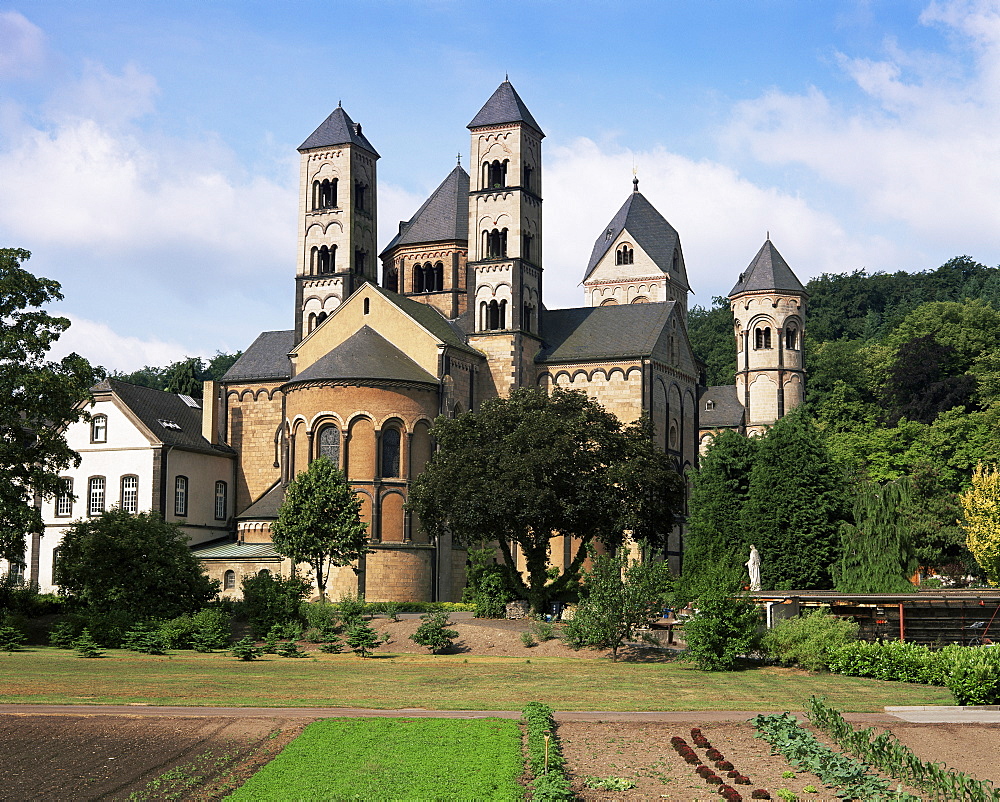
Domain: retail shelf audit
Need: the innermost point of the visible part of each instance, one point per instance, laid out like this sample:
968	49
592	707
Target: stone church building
457	317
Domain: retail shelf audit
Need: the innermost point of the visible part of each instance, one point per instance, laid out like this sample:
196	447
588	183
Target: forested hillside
903	387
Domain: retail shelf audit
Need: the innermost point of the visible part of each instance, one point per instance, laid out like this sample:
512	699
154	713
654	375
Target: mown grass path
449	682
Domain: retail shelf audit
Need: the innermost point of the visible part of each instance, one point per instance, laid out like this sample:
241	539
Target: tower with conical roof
505	236
337	223
769	305
636	259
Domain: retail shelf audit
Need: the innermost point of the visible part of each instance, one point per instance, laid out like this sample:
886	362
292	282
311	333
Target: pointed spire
338	129
460	158
635	180
768	272
504	106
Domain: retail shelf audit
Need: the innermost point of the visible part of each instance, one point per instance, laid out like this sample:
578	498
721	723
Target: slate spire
768	271
504	106
338	129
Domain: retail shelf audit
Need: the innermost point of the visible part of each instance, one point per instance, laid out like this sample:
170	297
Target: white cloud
23	48
99	344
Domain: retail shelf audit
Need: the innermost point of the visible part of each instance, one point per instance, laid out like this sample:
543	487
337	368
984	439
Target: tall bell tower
337	224
505	236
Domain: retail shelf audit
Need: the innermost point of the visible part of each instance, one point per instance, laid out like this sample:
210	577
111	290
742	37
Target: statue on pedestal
753	567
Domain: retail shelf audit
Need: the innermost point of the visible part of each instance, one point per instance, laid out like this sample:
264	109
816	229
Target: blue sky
147	150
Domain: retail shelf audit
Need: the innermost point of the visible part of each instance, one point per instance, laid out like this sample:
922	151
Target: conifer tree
981	520
877	549
795	504
719	491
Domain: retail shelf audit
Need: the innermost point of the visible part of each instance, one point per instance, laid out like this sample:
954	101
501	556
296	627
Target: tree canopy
39	398
525	469
981	520
319	522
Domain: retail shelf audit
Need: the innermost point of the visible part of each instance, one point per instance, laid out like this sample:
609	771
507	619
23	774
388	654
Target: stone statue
753	566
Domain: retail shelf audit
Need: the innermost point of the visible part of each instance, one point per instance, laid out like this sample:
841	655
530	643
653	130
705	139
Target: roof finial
635	180
769	235
460	158
506	77
338	104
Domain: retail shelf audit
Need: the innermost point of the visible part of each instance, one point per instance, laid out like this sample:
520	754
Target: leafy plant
433	632
351	608
545	757
543	631
609	783
723	629
809	641
270	600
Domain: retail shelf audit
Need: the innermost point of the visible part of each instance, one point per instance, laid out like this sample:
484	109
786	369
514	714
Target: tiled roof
266	359
443	216
720	408
768	271
171	419
601	332
432	320
266	507
238	551
366	354
504	106
650	231
338	129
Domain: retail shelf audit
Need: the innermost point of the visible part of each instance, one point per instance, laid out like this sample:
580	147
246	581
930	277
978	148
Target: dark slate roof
768	271
366	354
338	129
266	507
443	216
601	332
648	228
265	360
170	418
432	320
727	411
238	551
504	106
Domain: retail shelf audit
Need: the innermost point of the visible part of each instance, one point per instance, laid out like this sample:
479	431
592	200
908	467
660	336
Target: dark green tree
186	377
319	522
124	569
719	491
932	516
39	398
525	469
725	627
876	549
711	334
795	502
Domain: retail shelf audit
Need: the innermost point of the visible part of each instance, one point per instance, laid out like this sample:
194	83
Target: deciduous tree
37	399
319	522
981	519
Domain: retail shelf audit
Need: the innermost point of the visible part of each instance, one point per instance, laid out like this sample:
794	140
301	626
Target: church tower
769	305
337	225
505	236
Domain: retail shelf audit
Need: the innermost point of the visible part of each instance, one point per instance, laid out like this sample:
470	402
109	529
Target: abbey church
451	312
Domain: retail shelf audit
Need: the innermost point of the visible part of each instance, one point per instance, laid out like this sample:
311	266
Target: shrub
527	639
487	589
11	639
811	640
270	600
333	647
433	632
65	632
86	646
724	629
145	638
352	609
543	631
362	638
290	649
246	650
391	611
207	629
974	675
322	620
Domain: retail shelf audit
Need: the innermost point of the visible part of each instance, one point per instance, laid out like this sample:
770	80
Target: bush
487	589
352	609
527	639
543	631
65	632
86	646
333	647
270	600
974	675
723	629
809	641
362	638
11	639
146	639
433	632
322	621
246	650
290	649
204	631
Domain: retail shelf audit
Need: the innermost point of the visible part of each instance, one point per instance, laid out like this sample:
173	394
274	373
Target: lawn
341	758
446	682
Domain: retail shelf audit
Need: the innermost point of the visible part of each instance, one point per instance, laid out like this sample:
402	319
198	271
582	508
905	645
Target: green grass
443	682
382	758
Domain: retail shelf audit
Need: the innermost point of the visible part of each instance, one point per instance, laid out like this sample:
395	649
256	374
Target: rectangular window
130	494
181	495
99	429
220	501
64	501
95	494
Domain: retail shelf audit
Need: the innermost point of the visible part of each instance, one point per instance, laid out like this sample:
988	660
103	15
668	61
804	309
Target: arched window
321	317
526	246
312	321
526	317
360	261
527	182
496	176
99	429
791	339
430	284
392	280
390	452
762	338
326	258
609	302
229	580
181	495
640	299
95	495
493	316
496	244
329	444
221	501
439	276
130	494
263	572
503	315
624	255
418	278
368	305
360	196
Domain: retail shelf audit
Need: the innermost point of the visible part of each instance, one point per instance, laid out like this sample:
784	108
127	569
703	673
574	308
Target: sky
148	150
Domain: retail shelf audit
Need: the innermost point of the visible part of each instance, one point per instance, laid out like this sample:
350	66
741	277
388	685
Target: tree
319	522
433	632
981	520
876	550
126	568
621	596
724	627
795	503
525	469
39	399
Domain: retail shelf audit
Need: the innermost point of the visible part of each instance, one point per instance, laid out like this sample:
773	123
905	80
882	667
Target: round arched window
329	444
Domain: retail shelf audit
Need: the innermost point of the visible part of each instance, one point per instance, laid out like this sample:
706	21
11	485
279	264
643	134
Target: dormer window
709	406
624	255
99	429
